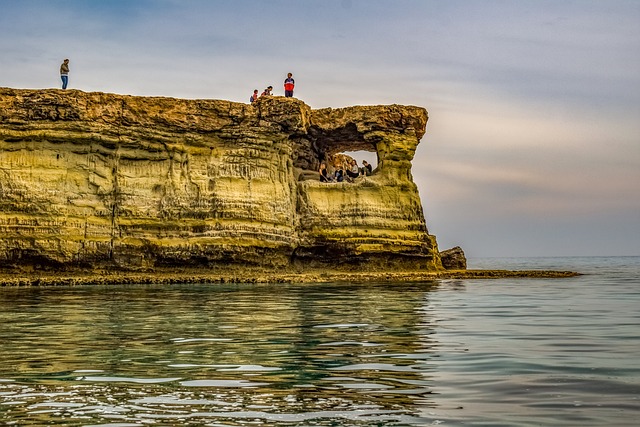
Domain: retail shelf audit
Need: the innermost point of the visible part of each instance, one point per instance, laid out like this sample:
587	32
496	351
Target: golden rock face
92	179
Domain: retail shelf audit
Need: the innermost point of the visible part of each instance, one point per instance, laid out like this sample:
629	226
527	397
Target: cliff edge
95	179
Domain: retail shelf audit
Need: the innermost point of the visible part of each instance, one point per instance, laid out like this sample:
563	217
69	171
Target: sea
486	352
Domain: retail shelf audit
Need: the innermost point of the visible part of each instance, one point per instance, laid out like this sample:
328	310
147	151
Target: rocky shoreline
113	278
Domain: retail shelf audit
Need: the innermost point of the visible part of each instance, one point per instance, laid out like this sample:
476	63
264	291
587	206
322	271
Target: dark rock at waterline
454	259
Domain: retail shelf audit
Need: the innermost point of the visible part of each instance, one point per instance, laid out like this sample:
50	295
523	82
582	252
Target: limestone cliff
103	179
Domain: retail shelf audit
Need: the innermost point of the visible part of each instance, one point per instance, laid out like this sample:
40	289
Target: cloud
506	151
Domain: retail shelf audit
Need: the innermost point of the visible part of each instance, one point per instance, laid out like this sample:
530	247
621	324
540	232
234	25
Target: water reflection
346	354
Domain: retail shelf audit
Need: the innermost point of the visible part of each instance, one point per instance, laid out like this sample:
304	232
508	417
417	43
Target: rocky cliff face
100	179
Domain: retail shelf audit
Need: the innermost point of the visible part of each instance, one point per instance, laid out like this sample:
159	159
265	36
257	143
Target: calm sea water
525	352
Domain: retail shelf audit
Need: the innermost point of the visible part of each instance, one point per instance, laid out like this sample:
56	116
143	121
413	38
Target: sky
533	141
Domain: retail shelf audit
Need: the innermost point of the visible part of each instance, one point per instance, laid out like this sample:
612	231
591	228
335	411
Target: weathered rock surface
92	179
453	259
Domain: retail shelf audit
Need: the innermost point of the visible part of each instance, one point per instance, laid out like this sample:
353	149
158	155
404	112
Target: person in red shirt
254	97
289	83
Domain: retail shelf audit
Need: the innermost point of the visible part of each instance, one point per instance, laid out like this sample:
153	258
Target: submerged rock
90	179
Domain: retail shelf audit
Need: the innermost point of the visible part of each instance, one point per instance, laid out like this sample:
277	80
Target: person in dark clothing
324	174
353	171
367	169
338	175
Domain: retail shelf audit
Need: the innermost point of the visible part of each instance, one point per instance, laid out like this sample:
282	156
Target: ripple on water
349	343
222	383
377	367
128	380
226	368
170	399
113	425
343	325
189	340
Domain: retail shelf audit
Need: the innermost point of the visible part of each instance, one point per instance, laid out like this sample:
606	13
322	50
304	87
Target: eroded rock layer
100	179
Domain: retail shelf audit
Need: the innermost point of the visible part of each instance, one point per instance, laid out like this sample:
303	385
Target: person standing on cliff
254	97
289	84
64	73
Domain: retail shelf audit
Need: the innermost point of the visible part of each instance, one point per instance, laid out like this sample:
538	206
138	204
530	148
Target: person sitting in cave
367	169
353	171
338	174
324	174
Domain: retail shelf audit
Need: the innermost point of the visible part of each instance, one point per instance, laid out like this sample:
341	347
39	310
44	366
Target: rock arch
142	182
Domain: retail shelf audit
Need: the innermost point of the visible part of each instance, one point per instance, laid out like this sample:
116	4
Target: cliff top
73	104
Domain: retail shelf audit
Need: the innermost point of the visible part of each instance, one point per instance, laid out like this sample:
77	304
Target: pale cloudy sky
533	142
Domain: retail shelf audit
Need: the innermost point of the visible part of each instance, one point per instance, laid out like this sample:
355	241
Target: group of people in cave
348	171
